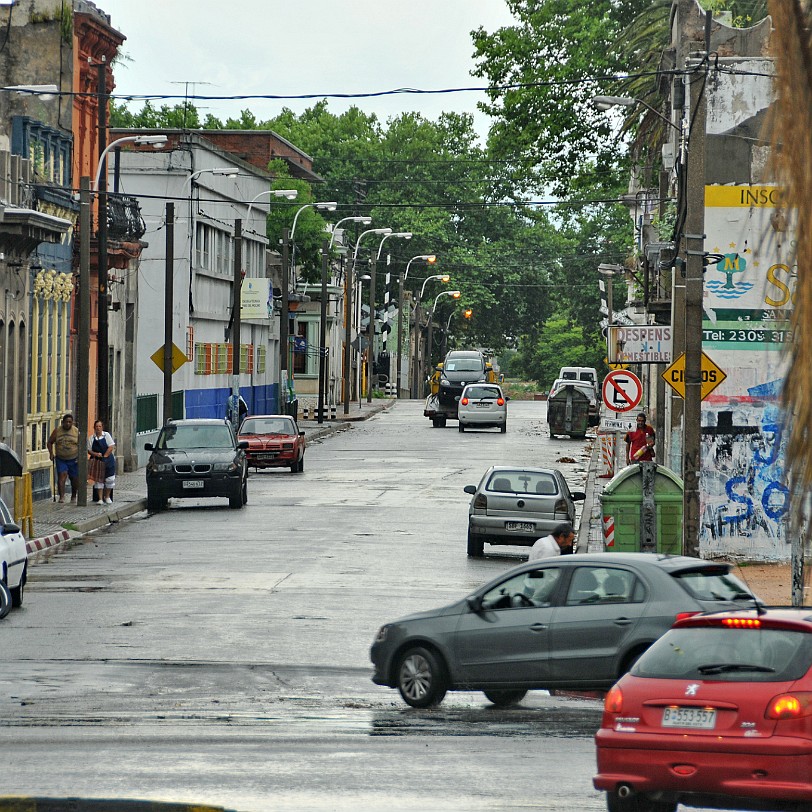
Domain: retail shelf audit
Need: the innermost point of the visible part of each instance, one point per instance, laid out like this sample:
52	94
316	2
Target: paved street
219	656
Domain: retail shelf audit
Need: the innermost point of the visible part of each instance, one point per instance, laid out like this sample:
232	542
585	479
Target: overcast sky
245	47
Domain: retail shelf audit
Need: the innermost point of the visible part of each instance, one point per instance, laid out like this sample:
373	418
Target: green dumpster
641	508
568	411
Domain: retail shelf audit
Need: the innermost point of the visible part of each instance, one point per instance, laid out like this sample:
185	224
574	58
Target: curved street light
330	206
364	220
443	276
430	258
404	235
227	171
290	194
157	142
607	102
349	283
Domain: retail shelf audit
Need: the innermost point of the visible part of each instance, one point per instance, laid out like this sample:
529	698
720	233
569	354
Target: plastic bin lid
629	480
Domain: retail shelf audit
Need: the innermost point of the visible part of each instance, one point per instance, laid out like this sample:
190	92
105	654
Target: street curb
33	546
30	804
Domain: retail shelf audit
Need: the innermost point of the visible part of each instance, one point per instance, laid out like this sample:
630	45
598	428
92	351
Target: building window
306	348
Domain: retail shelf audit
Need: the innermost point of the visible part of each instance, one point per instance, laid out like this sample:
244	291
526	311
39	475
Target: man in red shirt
640	442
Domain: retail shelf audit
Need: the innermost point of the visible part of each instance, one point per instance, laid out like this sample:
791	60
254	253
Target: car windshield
483	392
205	436
523	482
267	425
713	585
728	655
463	365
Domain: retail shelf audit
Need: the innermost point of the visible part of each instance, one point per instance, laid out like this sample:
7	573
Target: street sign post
622	390
712	375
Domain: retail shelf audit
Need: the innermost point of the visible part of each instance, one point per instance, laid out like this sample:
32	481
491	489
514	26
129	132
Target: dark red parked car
717	713
274	441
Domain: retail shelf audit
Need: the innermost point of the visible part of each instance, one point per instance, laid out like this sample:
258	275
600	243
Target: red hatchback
718	713
274	441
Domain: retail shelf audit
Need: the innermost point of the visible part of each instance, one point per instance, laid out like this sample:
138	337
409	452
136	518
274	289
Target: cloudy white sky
245	47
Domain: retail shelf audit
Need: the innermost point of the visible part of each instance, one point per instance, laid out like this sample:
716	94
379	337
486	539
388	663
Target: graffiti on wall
742	479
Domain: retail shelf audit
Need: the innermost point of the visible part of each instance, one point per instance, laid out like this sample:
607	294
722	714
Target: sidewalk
56	523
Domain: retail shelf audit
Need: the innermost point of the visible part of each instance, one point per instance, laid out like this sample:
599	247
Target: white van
581	374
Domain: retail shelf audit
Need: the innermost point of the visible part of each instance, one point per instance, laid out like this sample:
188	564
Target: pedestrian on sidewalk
63	449
102	463
640	442
236	410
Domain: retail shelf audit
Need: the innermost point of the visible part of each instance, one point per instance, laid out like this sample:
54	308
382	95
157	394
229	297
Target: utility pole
349	281
371	342
694	266
102	337
169	306
416	379
283	328
400	334
235	305
83	339
323	330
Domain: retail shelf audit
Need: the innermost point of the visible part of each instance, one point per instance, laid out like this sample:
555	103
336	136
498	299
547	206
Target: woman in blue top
100	448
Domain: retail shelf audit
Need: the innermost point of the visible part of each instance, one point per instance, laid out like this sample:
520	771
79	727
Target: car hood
455	608
182	455
265	437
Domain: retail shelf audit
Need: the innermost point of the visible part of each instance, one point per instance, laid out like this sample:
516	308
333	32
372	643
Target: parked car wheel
461	427
636	803
476	546
236	502
421	678
5	601
505	698
503	427
245	491
154	503
300	469
17	592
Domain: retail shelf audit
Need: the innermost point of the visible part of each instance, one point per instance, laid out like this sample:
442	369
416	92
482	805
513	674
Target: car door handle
622	621
538	627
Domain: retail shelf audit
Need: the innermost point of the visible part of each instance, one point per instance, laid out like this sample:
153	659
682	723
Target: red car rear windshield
728	655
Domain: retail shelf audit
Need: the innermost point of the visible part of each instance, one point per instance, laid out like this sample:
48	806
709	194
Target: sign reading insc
643	344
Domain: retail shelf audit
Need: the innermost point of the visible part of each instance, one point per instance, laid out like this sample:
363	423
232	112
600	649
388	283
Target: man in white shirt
549	546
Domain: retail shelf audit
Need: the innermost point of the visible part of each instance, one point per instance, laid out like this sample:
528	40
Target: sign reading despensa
643	344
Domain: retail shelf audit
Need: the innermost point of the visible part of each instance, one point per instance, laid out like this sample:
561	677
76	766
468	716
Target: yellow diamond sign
712	375
178	358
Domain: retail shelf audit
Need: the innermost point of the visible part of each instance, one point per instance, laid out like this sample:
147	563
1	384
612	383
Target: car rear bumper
774	768
471	417
282	460
493	530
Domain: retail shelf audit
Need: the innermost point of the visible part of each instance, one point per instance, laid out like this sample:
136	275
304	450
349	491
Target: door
508	640
600	611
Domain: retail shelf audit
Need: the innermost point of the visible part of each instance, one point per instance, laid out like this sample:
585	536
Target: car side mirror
474	603
507	397
578	496
243	444
301	434
10	528
470	489
149	447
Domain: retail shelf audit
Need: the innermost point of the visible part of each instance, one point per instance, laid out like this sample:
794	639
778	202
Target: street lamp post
102	321
430	259
456	294
289	194
349	283
418	371
363	220
405	235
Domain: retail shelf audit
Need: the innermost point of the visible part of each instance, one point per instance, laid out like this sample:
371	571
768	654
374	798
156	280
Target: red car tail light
481	501
464	401
790	706
500	401
685	615
613	703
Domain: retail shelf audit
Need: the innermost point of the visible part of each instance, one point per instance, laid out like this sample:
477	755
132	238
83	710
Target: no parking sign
622	390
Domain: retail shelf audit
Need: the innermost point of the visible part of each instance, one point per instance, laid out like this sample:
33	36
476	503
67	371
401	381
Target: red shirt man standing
640	442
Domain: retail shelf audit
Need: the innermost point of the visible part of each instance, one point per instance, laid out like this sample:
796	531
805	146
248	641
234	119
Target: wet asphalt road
221	656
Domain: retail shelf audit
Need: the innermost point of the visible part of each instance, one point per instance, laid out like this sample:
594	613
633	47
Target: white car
13	562
482	405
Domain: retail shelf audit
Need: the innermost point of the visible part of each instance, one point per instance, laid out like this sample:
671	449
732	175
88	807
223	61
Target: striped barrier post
608	531
607	456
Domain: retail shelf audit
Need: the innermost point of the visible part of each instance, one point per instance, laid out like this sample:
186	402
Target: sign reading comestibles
644	344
